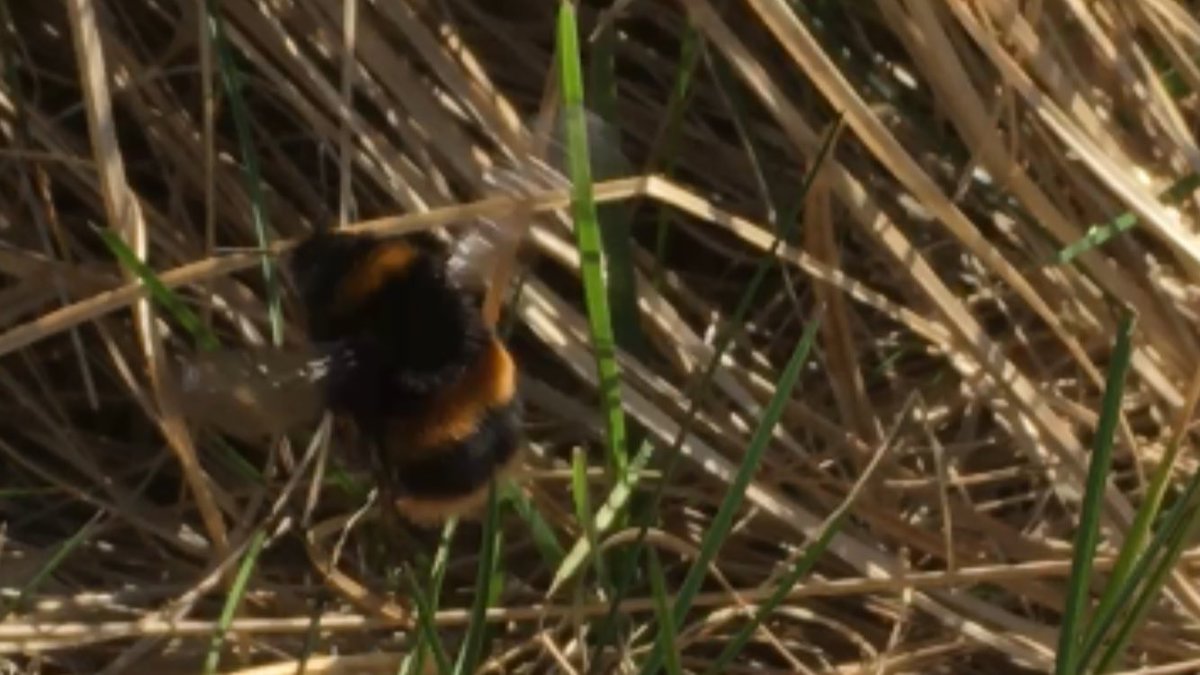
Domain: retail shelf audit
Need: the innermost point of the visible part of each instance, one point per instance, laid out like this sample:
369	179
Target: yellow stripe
455	413
386	260
436	511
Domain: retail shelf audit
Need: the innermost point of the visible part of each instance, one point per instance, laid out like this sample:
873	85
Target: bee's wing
252	393
478	253
606	160
474	254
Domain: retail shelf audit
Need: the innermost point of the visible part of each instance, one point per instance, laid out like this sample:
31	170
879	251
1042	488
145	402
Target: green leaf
1074	615
236	592
1122	579
1137	583
617	500
426	629
689	56
1098	235
583	512
231	79
723	342
159	292
415	662
543	534
715	536
468	656
812	553
587	236
615	219
667	638
1179	537
56	559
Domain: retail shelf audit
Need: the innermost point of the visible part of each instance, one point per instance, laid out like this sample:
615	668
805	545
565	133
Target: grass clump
825	366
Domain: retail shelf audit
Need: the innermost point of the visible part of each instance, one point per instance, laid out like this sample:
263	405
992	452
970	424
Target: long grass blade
543	535
167	299
615	219
236	592
698	391
44	572
668	144
468	657
583	512
587	235
1074	621
714	538
415	662
231	79
1099	235
425	625
618	498
667	637
1179	537
1127	593
805	563
1138	542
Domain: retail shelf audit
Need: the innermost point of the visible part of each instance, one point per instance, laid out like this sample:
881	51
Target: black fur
393	350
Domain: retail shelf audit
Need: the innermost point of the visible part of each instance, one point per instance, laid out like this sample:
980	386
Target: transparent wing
477	253
253	393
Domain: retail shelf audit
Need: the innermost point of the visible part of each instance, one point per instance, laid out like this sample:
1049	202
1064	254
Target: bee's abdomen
469	432
459	468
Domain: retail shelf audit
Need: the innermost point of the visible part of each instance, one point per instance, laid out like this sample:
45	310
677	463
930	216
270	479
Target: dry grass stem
1007	178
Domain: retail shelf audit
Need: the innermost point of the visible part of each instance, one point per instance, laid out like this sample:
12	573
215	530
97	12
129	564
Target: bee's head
324	257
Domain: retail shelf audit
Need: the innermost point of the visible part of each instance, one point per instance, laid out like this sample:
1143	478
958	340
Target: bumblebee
429	386
397	346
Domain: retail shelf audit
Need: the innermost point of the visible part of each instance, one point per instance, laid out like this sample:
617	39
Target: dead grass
981	139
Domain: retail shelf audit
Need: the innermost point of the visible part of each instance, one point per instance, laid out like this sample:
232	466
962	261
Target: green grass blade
724	340
616	233
667	638
231	80
1179	539
726	335
1074	620
415	662
542	533
165	297
18	493
468	656
587	235
723	521
583	512
426	629
236	591
616	502
785	585
43	573
689	57
234	461
1142	569
759	441
337	476
802	566
1098	235
1112	601
441	558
